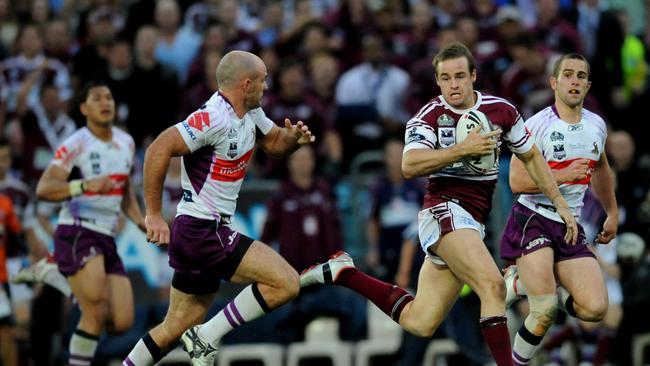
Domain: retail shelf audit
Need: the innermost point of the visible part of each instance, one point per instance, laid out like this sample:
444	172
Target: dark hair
454	50
85	90
4	143
570	56
525	40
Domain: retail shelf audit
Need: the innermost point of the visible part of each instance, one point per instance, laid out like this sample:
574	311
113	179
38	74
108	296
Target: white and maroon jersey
561	143
96	158
434	127
221	145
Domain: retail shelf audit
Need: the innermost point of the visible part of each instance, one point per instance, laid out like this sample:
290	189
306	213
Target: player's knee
594	311
422	329
543	310
96	311
492	287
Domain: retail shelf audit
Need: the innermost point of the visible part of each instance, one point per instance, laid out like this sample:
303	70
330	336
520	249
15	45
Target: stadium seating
384	337
321	341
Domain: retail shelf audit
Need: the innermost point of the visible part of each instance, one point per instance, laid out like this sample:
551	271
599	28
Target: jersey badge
595	149
413	136
556	136
199	120
187	196
447	136
558	152
445	121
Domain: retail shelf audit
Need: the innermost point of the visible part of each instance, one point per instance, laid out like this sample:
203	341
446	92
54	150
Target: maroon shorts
74	246
527	231
203	253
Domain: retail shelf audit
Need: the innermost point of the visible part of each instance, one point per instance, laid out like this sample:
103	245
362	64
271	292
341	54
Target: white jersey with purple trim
96	158
562	143
221	145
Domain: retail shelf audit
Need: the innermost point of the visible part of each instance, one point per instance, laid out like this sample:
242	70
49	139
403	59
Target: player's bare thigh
90	287
468	258
536	272
583	278
277	280
438	289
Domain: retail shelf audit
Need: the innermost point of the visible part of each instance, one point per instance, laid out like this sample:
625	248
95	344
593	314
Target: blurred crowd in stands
354	71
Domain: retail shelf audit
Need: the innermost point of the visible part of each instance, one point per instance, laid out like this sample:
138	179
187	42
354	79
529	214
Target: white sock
58	281
145	353
246	306
82	348
525	346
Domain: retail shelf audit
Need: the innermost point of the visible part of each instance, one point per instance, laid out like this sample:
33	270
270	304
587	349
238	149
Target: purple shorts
527	231
74	246
202	253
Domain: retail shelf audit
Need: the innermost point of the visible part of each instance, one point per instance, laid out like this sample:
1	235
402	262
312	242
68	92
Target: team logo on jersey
558	152
187	196
556	136
445	121
577	127
232	149
232	134
199	120
94	156
96	168
447	136
413	136
595	149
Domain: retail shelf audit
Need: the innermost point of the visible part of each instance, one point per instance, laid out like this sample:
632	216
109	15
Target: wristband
76	187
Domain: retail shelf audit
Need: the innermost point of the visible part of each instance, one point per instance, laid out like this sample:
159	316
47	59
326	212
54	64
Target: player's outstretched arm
541	174
156	162
603	182
422	162
521	182
282	141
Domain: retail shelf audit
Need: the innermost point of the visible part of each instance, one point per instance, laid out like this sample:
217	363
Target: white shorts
439	220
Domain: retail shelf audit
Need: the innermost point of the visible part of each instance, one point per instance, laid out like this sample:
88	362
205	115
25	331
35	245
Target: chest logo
558	152
573	128
556	136
445	121
447	136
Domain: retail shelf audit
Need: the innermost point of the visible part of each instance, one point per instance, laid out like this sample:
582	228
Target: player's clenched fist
157	229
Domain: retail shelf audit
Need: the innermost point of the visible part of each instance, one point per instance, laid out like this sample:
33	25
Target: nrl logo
445	121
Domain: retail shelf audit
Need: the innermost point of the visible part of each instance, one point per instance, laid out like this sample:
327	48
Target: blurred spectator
419	38
8	27
58	41
29	60
484	12
395	204
631	190
109	11
447	11
92	55
553	30
236	37
371	100
304	222
176	46
323	74
119	77
272	24
156	89
525	82
200	15
39	12
315	39
44	127
194	96
292	101
213	41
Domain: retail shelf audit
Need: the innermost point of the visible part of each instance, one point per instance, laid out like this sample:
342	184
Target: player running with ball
456	205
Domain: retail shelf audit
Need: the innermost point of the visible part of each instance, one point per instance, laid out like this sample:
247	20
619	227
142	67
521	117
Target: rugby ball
466	123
